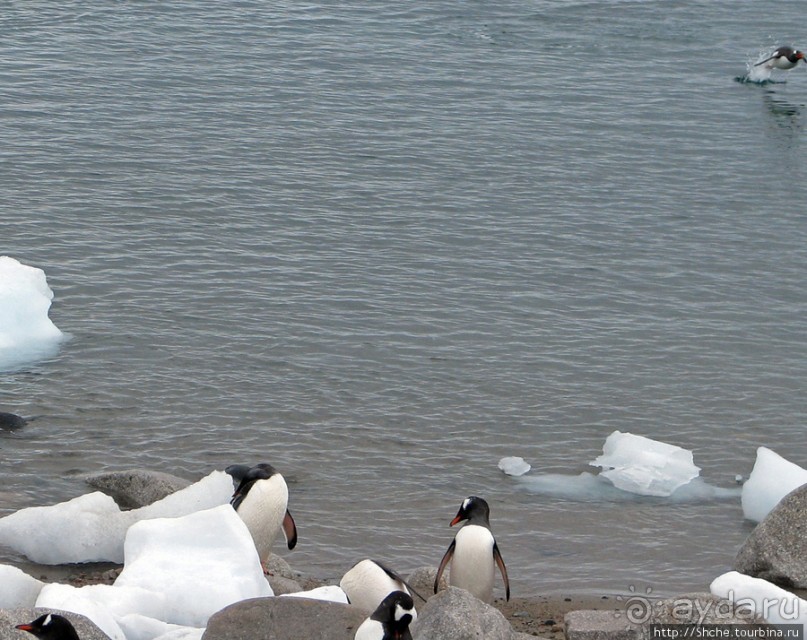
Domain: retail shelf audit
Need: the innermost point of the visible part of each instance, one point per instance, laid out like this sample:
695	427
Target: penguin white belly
783	63
367	584
472	565
262	510
370	630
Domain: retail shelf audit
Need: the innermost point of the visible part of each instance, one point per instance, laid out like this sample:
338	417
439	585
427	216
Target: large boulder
776	550
422	581
285	619
137	487
455	614
10	618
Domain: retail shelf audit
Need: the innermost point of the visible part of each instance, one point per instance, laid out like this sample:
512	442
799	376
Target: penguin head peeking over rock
51	626
390	620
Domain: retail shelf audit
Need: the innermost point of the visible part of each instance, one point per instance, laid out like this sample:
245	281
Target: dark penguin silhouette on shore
390	620
11	421
261	500
783	58
473	552
51	626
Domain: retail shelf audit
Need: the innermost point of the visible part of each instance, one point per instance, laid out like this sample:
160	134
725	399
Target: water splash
756	73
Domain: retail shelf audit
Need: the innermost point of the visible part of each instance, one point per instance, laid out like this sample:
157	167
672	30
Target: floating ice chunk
81	601
773	603
772	479
329	593
199	563
17	588
48	535
26	332
514	466
138	627
647	467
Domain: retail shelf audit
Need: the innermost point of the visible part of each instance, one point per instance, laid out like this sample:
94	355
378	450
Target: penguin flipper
764	61
290	530
497	556
449	552
398	578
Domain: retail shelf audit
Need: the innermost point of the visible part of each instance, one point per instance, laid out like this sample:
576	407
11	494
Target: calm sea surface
382	245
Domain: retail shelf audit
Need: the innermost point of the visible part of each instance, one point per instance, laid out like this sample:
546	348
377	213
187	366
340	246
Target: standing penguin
261	500
51	626
368	582
390	620
473	552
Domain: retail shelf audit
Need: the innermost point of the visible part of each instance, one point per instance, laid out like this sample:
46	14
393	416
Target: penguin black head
793	55
51	626
248	477
475	510
395	613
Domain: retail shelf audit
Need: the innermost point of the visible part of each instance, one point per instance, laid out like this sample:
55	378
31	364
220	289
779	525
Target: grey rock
277	566
776	550
281	586
598	625
10	618
137	487
455	614
699	608
422	581
284	619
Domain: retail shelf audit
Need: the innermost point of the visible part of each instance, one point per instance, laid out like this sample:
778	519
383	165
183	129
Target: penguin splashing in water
261	500
473	553
782	58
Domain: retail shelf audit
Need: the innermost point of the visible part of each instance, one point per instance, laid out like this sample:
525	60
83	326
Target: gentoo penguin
261	500
390	620
782	58
368	582
473	552
51	626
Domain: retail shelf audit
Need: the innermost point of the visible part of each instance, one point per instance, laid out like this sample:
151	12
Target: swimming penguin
11	421
782	58
51	626
261	500
368	582
473	552
390	620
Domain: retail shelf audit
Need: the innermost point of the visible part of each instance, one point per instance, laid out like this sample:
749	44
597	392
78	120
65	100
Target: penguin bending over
51	626
473	552
368	582
390	620
261	500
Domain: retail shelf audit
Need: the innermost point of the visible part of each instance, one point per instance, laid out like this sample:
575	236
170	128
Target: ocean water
383	245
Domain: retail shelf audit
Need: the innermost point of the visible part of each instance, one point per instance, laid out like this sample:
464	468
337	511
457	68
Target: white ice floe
634	468
177	573
772	479
329	593
643	466
17	588
773	603
27	334
514	466
48	535
198	564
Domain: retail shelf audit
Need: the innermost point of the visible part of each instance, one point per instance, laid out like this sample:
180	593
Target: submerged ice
27	334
